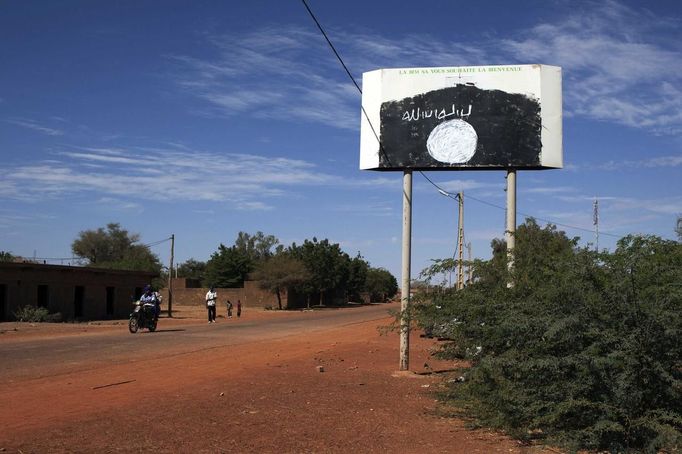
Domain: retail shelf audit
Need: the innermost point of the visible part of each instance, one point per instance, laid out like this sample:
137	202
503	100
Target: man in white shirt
211	298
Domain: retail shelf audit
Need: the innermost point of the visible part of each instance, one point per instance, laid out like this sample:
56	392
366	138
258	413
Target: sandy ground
333	391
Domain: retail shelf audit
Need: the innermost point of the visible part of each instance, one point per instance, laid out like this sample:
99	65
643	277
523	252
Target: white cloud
659	161
549	190
35	126
614	70
244	181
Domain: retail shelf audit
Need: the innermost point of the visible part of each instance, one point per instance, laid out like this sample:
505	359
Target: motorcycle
143	316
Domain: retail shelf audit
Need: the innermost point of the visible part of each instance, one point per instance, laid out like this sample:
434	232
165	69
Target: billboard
455	118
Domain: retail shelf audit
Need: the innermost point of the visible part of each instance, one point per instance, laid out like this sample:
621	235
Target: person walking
239	308
229	309
211	297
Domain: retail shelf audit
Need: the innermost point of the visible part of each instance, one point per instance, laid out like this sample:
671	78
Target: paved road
30	359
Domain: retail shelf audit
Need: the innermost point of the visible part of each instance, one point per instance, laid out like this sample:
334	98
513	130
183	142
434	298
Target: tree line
318	269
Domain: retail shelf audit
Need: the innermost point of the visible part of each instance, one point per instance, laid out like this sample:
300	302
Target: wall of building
78	293
251	295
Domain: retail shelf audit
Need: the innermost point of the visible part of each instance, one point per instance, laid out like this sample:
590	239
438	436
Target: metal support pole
405	289
170	278
510	232
460	242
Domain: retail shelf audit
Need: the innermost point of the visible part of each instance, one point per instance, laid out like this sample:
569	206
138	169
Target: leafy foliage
228	267
6	256
584	349
257	247
114	247
192	269
326	262
311	269
281	272
358	269
36	314
381	285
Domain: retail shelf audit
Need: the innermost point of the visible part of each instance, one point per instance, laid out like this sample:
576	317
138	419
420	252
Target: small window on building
110	300
78	300
43	296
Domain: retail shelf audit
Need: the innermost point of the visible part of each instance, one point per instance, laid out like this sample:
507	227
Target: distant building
78	293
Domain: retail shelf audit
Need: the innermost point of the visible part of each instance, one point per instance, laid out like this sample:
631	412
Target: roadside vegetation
35	314
317	269
584	350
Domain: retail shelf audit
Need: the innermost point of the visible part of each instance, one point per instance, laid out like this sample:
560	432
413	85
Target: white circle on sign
453	141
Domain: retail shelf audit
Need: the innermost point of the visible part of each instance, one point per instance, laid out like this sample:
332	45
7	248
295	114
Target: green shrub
585	350
31	314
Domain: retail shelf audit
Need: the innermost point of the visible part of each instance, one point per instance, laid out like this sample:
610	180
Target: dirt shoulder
332	391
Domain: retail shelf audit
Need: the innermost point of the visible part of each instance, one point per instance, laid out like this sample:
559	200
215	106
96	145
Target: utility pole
170	277
405	288
595	220
510	231
460	242
471	271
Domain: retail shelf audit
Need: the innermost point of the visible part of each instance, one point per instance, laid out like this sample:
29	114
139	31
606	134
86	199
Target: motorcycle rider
149	297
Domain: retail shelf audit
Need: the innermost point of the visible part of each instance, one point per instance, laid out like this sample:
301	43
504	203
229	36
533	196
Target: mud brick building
78	293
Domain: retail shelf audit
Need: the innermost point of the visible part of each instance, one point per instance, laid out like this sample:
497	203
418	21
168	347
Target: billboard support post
510	231
405	288
170	277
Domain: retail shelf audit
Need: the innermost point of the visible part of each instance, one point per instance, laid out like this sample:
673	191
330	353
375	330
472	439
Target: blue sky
207	118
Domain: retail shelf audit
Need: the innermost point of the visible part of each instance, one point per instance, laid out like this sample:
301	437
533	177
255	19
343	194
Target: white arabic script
418	114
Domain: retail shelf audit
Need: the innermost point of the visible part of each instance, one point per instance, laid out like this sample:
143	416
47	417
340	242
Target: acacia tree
279	272
192	269
380	284
257	247
116	248
227	267
327	264
357	277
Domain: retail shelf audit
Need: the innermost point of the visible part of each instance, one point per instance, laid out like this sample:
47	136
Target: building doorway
111	293
43	296
78	299
3	302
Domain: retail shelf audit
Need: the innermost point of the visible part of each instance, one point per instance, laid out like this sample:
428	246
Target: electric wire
156	243
383	152
147	245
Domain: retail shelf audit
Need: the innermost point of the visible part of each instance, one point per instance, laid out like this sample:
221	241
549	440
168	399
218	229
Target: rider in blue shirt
149	297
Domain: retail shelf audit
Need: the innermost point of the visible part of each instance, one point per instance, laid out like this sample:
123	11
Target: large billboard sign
454	118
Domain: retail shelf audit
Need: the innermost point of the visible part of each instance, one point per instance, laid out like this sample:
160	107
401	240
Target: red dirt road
264	396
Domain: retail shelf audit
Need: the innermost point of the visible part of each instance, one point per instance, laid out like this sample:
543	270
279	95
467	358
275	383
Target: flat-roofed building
78	293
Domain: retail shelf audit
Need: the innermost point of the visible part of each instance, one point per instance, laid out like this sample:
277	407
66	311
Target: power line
156	243
383	152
